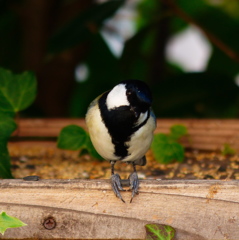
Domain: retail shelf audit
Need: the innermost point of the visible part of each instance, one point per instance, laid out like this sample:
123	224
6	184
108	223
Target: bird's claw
116	185
134	184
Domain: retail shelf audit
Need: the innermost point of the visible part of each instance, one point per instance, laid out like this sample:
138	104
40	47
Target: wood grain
203	134
88	209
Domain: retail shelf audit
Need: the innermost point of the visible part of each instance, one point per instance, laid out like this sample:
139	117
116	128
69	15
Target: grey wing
141	162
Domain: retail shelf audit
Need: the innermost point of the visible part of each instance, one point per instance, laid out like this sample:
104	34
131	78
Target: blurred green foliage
17	92
83	26
227	150
211	93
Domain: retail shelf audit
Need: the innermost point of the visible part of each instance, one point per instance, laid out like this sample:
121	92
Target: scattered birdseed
53	163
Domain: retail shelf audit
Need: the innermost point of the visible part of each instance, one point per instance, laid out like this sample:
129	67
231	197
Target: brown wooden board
203	134
88	209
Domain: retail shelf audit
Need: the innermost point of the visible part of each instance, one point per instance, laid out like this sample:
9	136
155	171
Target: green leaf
5	164
7	126
177	131
7	221
81	28
228	150
166	150
72	137
17	91
159	232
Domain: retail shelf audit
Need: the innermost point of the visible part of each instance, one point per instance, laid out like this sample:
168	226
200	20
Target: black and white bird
121	125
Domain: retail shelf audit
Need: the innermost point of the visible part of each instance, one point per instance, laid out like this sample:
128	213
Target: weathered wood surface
88	209
204	134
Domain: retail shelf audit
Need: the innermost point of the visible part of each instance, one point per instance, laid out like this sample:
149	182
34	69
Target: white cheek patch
117	97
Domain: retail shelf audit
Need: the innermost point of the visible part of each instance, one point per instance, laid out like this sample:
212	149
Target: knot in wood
49	223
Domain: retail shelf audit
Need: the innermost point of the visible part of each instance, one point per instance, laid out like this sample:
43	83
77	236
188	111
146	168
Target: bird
121	123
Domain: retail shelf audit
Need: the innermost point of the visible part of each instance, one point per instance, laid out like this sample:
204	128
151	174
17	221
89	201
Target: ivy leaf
7	126
72	137
166	150
7	221
5	165
17	91
159	232
177	131
228	150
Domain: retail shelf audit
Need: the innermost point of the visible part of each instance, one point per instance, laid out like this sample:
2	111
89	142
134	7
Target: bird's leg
134	182
115	182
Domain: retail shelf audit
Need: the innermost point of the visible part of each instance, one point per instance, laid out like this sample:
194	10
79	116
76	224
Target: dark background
52	37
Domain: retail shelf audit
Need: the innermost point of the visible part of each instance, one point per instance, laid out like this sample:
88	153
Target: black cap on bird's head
138	94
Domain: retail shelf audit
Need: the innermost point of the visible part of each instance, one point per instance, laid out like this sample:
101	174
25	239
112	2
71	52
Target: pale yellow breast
98	133
141	140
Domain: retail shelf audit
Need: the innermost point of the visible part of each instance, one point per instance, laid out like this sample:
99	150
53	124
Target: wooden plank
46	127
52	127
88	209
203	134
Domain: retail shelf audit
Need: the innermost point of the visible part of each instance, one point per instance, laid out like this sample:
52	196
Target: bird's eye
128	92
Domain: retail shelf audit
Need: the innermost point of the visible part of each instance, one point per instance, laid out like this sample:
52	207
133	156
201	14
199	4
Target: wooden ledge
203	134
88	209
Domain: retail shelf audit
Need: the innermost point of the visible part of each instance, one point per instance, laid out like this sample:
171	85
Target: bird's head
132	93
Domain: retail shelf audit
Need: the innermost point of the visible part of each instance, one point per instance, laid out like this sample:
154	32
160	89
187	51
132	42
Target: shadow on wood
88	209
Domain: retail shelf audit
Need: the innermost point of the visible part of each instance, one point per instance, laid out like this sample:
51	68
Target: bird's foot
116	185
134	184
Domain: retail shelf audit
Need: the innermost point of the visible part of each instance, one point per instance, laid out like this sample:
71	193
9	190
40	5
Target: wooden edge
88	209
